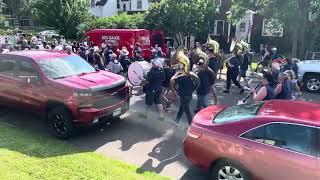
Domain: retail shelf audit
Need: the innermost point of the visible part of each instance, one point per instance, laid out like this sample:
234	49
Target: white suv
309	75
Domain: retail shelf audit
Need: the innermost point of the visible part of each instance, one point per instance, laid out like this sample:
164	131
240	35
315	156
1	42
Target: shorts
153	98
243	73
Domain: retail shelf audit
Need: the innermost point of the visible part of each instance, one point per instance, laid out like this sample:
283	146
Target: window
139	4
124	6
24	22
8	67
238	113
118	4
292	137
243	27
219	27
219	2
93	3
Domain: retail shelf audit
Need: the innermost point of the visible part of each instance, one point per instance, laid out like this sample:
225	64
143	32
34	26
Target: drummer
155	79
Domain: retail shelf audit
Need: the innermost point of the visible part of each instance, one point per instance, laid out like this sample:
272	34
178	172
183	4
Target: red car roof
40	54
299	111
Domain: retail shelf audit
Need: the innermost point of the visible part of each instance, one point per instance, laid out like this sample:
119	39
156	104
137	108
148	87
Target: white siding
110	8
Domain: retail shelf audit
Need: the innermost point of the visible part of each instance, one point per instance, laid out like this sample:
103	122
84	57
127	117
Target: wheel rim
313	84
229	173
59	123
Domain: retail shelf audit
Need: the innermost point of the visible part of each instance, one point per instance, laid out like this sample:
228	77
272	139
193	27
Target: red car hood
206	116
94	81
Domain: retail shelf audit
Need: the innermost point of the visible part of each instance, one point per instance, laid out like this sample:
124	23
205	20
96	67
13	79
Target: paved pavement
151	144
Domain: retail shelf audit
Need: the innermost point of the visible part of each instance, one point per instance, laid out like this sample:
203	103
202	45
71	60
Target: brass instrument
181	63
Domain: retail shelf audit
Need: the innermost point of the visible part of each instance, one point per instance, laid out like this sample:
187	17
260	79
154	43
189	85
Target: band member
267	91
169	73
185	83
284	89
233	72
207	78
154	82
244	66
214	62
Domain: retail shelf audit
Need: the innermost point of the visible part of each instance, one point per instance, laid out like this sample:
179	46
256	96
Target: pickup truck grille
110	97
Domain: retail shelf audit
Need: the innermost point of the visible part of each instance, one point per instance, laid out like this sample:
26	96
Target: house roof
101	3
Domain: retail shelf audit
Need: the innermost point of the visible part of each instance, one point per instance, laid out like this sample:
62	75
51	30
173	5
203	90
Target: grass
27	155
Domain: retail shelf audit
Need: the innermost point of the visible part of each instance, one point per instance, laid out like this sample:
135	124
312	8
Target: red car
63	88
269	140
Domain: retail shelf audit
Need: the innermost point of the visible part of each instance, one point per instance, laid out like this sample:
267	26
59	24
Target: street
151	144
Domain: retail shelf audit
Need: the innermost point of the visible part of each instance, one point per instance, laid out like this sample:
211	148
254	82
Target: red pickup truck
62	87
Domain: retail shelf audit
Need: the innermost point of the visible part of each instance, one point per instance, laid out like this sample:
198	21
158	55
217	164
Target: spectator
107	52
275	54
98	63
124	59
114	65
267	91
284	89
82	53
135	52
90	58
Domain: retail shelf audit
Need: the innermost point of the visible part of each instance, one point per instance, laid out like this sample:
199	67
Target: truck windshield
238	113
61	67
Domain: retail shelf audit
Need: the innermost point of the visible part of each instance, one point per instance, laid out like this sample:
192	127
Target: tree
63	15
121	21
294	14
182	18
17	8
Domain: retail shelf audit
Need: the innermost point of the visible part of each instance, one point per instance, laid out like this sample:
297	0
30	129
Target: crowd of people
279	75
278	79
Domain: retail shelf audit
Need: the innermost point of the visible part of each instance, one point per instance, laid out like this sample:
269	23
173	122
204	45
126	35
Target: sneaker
226	91
175	122
242	91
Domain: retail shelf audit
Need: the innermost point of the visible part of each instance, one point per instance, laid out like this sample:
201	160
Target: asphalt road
151	144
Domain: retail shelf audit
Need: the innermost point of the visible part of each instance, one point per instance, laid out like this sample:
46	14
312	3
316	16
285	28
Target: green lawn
27	155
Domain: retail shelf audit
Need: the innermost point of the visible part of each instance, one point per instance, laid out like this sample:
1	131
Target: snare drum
138	71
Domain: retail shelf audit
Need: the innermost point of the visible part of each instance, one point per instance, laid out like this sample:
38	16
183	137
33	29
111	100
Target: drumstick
138	75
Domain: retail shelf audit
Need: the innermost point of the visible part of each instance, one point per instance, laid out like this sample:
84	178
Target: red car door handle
247	147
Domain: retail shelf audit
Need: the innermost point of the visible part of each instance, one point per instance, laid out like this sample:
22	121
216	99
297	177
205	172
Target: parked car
62	87
263	141
309	75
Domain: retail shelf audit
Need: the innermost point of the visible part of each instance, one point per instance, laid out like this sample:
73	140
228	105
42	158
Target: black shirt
235	61
168	73
245	63
270	93
83	55
90	58
206	82
155	79
107	53
185	86
214	64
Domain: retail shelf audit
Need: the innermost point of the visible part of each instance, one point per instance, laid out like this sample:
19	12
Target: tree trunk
188	41
304	6
294	42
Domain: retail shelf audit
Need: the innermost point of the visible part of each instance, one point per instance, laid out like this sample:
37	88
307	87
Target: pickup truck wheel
60	122
312	83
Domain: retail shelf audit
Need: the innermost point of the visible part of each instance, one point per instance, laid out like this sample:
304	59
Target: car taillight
193	134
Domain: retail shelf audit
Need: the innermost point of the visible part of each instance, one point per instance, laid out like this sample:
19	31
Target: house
18	19
107	8
252	28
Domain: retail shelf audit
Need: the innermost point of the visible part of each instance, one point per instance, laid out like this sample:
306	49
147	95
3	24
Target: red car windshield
61	67
238	113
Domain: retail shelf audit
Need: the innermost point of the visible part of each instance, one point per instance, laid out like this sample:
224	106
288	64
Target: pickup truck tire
311	83
60	122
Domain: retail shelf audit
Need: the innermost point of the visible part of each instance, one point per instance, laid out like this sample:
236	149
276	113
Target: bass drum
137	71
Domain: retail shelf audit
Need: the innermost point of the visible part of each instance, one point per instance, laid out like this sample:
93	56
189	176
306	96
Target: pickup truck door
9	93
33	96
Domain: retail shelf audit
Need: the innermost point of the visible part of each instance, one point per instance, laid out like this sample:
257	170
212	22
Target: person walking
185	88
267	92
284	89
214	64
153	88
124	59
232	73
244	66
114	65
207	78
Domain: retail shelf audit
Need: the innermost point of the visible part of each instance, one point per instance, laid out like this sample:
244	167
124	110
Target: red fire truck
127	38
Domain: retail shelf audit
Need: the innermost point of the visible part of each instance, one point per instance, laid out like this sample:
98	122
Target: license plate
117	112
